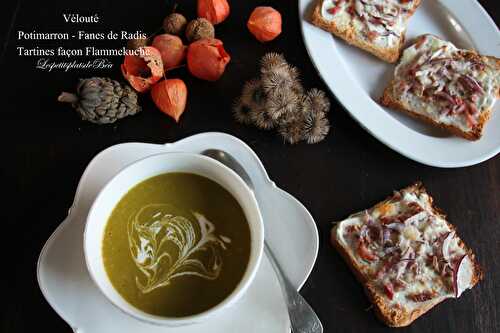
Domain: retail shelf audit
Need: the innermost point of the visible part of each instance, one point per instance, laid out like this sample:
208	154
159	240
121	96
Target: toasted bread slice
406	255
376	26
447	87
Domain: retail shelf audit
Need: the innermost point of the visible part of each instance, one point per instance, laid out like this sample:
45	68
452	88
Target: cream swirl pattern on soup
176	244
165	246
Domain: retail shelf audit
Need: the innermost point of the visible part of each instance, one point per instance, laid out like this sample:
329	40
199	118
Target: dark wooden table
46	148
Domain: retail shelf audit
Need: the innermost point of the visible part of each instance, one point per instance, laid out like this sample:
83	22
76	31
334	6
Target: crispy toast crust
390	55
388	99
391	316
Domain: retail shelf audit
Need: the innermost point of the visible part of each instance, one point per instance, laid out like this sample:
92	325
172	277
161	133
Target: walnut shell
174	24
199	29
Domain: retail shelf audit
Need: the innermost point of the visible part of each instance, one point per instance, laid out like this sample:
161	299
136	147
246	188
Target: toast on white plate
450	88
406	255
376	26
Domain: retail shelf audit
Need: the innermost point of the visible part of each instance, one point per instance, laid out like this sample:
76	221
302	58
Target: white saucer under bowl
66	284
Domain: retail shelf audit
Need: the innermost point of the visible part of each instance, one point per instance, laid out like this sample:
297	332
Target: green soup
176	245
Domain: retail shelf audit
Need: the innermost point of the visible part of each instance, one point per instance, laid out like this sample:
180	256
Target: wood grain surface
46	148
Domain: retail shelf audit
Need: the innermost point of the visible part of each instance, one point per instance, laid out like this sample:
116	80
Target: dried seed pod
292	116
241	112
292	132
252	94
102	100
271	61
316	126
278	79
305	105
281	103
199	29
261	118
278	99
174	24
318	100
297	88
294	73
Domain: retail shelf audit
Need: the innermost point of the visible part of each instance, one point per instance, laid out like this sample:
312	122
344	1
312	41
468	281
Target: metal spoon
303	319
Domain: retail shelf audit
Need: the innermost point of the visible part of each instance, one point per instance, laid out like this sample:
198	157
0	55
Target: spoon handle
303	319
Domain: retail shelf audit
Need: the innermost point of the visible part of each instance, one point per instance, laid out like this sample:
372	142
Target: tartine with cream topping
376	26
406	255
451	88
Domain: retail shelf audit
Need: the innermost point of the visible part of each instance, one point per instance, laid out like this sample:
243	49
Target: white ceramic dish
357	79
149	167
68	288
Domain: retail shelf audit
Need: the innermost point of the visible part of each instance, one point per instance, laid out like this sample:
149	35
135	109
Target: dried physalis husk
207	59
170	96
173	51
215	11
144	70
265	23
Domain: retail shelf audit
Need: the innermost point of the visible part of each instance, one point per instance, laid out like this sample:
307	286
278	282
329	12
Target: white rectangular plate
357	79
